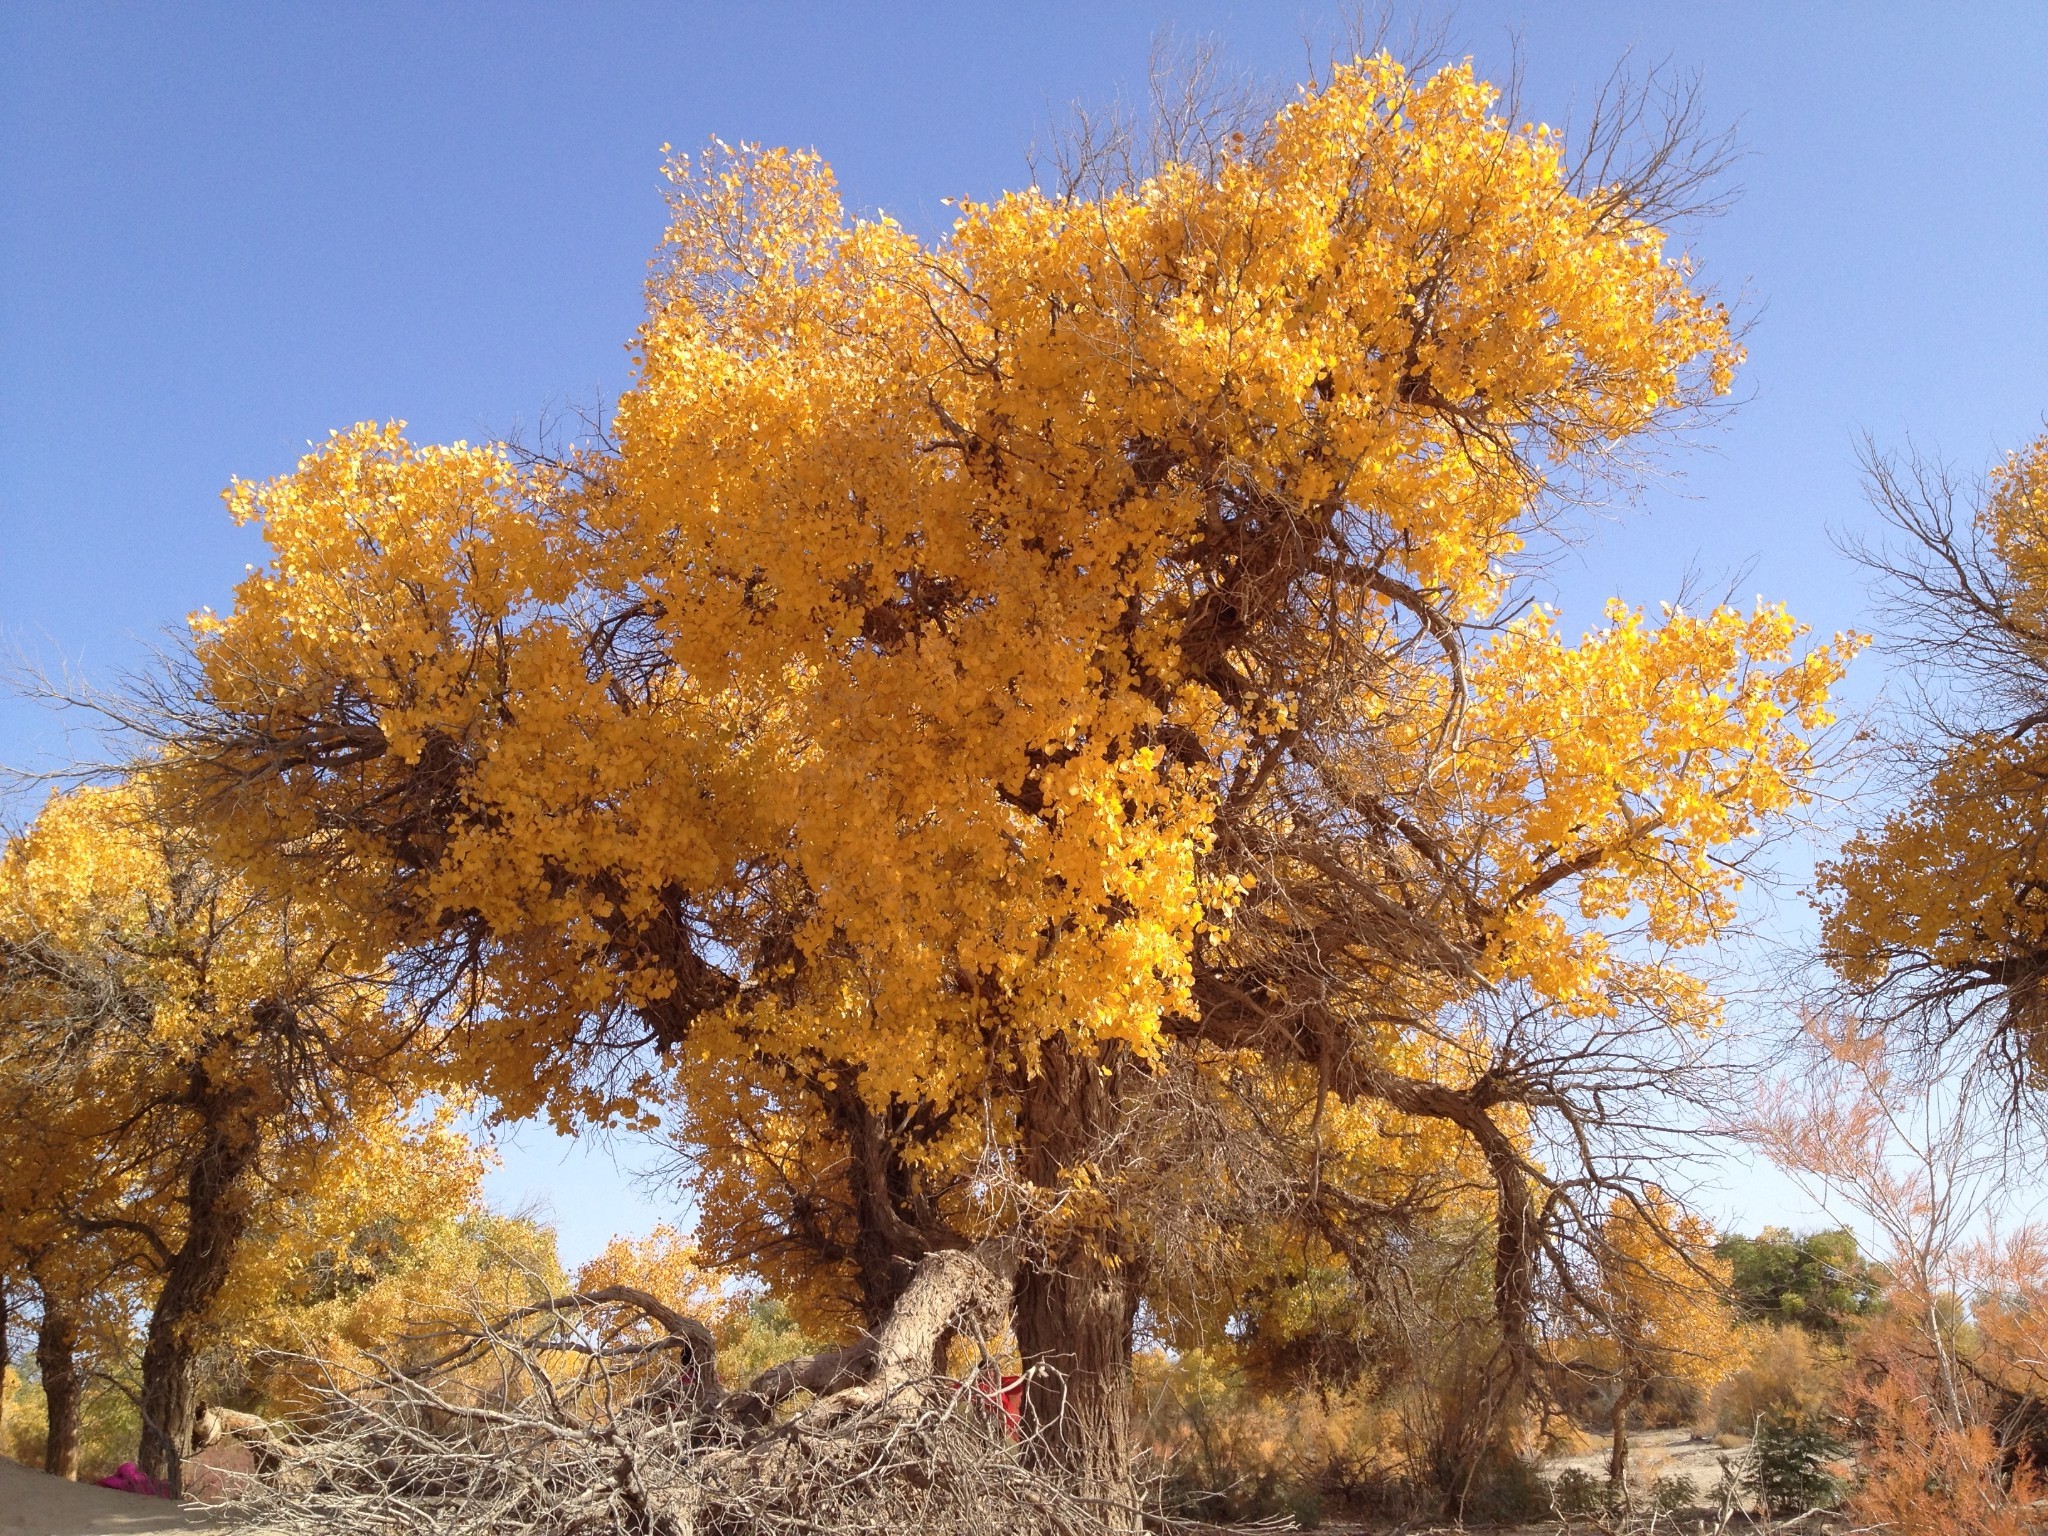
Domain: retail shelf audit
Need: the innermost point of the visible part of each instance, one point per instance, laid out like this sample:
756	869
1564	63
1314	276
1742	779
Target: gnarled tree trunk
57	1359
888	1240
216	1219
1076	1301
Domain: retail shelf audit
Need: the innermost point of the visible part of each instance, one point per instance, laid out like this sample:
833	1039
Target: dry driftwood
635	1435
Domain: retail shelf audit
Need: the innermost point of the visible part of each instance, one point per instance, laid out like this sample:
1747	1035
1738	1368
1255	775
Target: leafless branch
563	1431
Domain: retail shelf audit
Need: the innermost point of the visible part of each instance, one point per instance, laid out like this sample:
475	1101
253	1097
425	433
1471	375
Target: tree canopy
1934	918
1819	1281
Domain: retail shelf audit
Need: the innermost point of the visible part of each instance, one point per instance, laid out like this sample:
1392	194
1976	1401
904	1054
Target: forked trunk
1076	1301
57	1360
216	1218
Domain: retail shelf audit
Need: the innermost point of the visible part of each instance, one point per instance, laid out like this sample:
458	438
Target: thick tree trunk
216	1218
1074	1332
1076	1302
57	1359
886	1247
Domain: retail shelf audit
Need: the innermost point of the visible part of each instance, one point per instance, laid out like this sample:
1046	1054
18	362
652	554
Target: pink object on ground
129	1478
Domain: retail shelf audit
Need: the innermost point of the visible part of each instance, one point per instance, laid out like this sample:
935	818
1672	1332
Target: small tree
185	1061
1946	1403
1659	1308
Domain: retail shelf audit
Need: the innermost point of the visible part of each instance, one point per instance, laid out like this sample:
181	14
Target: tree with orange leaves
1934	919
198	1083
977	670
1659	1306
1947	1400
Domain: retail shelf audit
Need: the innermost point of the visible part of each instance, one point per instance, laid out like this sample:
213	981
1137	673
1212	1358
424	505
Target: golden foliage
1664	1292
204	1094
1942	897
885	686
390	1298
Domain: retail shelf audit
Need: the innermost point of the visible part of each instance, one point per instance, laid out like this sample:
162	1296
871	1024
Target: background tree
187	1060
1663	1312
391	1200
74	1278
975	670
1819	1281
386	1296
1933	918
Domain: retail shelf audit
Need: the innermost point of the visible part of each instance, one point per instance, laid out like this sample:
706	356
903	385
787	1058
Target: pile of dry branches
602	1412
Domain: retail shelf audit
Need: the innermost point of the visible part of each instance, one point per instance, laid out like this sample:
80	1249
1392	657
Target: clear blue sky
226	229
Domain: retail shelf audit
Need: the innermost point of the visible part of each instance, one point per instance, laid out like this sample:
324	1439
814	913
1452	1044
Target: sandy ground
1654	1453
33	1503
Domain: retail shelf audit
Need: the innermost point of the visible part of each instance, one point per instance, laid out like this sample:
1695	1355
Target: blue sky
226	229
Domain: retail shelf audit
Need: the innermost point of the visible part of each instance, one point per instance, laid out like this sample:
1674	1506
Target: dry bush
1220	1449
1790	1375
1935	1451
1950	1400
1947	1404
928	1455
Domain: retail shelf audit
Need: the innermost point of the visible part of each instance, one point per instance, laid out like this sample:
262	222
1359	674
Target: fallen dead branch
598	1413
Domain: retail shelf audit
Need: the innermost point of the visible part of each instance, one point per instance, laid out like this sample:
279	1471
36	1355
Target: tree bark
950	1288
216	1219
1076	1299
57	1360
212	1425
885	1246
1074	1332
1617	1453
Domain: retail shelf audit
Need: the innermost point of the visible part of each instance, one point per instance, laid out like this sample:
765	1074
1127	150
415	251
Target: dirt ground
33	1503
1654	1453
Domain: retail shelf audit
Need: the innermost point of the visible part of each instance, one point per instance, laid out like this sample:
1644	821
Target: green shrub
1785	1469
1674	1491
1577	1492
1508	1493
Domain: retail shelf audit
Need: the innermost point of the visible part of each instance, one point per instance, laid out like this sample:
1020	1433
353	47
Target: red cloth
1008	1396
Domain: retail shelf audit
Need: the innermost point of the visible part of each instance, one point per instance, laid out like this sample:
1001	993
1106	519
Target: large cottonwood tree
974	668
